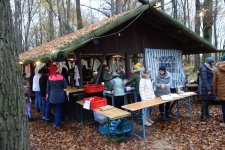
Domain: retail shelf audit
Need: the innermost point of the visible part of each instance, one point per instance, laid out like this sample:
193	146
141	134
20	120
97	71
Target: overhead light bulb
201	14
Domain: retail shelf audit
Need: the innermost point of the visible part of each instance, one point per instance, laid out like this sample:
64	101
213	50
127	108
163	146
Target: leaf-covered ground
174	134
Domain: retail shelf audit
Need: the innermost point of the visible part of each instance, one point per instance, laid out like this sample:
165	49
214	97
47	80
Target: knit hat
163	68
148	71
223	57
137	66
53	69
115	74
209	60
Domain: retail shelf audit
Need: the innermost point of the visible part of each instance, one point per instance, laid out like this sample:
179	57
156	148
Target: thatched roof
72	41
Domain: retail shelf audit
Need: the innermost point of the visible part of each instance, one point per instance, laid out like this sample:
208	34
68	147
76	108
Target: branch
104	13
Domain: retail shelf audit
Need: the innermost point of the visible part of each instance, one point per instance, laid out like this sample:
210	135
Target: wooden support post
78	59
93	63
127	65
100	69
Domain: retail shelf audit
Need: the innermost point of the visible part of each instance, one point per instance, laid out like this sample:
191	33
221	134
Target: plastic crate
96	102
94	88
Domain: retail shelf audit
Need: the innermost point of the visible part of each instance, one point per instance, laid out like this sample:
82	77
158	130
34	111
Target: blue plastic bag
115	127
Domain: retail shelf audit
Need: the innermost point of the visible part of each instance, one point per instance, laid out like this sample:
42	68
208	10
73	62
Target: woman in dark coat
55	93
206	86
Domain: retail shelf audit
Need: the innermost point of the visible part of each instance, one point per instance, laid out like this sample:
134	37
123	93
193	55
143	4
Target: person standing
36	89
136	79
163	83
219	85
45	103
55	93
116	85
27	94
106	76
121	72
146	93
206	86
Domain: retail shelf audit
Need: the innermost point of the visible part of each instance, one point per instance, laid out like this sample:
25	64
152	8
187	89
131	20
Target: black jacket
43	84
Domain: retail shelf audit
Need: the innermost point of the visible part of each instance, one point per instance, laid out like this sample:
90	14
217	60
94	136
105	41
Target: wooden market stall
129	33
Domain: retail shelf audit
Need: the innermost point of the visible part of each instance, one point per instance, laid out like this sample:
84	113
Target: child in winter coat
27	94
146	93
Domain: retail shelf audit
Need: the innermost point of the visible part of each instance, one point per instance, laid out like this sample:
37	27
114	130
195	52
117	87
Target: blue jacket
205	80
116	84
165	79
55	90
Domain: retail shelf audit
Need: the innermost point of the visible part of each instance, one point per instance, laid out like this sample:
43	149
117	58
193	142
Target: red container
94	88
96	102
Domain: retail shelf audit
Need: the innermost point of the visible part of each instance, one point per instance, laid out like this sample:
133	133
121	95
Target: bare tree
162	5
79	17
215	26
174	7
13	123
119	6
59	19
197	30
51	23
68	17
207	20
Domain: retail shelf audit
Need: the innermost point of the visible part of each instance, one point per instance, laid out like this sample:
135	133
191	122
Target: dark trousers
223	110
138	97
57	114
167	108
205	107
118	101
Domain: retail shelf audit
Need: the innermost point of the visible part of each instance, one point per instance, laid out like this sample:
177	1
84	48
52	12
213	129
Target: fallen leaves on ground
179	134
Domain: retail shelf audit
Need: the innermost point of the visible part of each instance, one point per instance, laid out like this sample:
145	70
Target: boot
162	117
150	120
202	118
148	124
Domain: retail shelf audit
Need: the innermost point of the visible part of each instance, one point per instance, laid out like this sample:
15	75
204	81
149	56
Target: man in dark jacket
205	85
43	84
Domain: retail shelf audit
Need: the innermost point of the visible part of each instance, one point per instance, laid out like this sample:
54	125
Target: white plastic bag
100	118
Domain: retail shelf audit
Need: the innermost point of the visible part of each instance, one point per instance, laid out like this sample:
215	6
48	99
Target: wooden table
112	113
149	103
73	90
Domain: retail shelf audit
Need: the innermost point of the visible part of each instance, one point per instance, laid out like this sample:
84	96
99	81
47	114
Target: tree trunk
18	21
162	5
207	23
40	27
29	5
13	122
79	17
174	5
68	16
215	27
51	23
197	30
207	20
59	17
119	6
112	8
188	14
